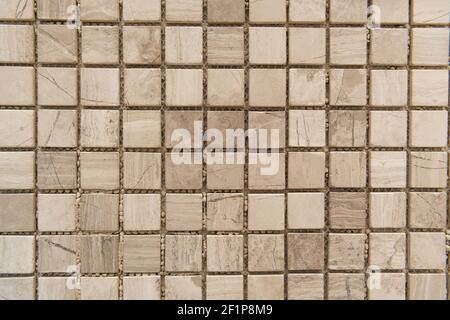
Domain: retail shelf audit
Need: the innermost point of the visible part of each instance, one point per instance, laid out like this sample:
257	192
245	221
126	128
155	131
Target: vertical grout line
36	148
326	230
163	152
204	166
121	152
286	160
246	127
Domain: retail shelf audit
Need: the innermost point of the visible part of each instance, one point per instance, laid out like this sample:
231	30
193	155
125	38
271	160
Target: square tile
142	87
18	288
346	251
388	128
99	170
57	170
307	45
389	88
232	52
346	286
142	44
388	169
17	170
306	210
55	288
141	212
99	212
17	128
267	11
306	170
347	210
17	212
141	253
266	171
267	45
265	287
226	87
224	287
226	11
181	175
266	211
267	88
427	210
389	46
184	45
184	11
427	286
184	87
225	253
57	128
226	176
142	10
387	250
348	87
99	254
348	46
57	44
57	86
429	46
142	170
100	87
427	250
141	129
307	128
306	251
100	45
225	212
387	210
99	128
17	254
17	86
272	122
54	9
99	10
99	288
307	87
429	88
347	169
142	287
305	11
348	11
56	253
16	10
347	128
182	129
428	169
389	286
394	11
266	252
423	13
18	41
184	212
183	253
183	287
429	128
305	287
56	212
221	121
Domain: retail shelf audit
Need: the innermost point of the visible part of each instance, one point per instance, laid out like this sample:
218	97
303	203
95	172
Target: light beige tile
387	251
17	170
224	287
99	288
305	287
347	169
141	212
306	210
389	46
267	88
57	128
267	45
423	13
307	10
183	253
99	128
16	10
226	87
429	128
22	288
142	288
426	286
266	211
387	210
393	11
346	286
347	128
427	210
429	88
266	252
265	287
184	45
428	169
99	212
17	86
17	128
226	11
142	170
307	128
225	253
142	87
57	86
347	210
99	254
184	10
388	169
141	253
56	212
184	87
184	212
274	122
307	87
225	211
17	212
348	11
56	253
388	286
56	288
348	87
54	9
183	176
348	46
430	46
389	88
225	45
267	11
100	44
306	251
17	254
99	170
142	10
57	44
17	42
306	170
100	87
267	173
307	45
388	128
141	129
183	287
346	251
99	10
226	176
427	250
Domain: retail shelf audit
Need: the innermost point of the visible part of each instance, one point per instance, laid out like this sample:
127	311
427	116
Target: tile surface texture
224	149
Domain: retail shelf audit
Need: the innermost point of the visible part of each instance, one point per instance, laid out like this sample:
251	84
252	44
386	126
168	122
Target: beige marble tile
265	287
183	253
143	10
267	11
266	211
17	170
307	11
142	288
274	122
427	210
17	212
17	10
307	45
429	46
99	254
426	286
224	287
18	44
57	212
387	251
54	9
306	251
184	212
99	212
427	250
100	86
266	252
99	128
17	86
348	87
56	288
184	45
225	176
226	87
429	128
13	288
183	176
307	87
56	253
273	179
267	87
348	11
184	87
388	128
428	169
57	44
305	287
423	13
346	251
306	210
267	45
388	286
225	212
307	128
142	170
57	128
17	254
184	10
99	10
57	86
347	128
100	45
141	129
394	11
225	253
389	88
225	45
348	46
387	210
388	169
429	88
347	169
57	170
389	46
226	11
183	288
141	212
346	286
306	170
17	128
141	253
142	87
347	210
99	288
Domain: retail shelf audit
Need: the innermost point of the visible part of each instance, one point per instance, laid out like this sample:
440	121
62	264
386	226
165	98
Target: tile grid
79	148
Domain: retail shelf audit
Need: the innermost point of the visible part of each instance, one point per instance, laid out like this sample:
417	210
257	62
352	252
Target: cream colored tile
17	128
307	45
183	287
99	288
307	10
429	88
56	288
307	128
17	170
225	212
142	10
267	11
184	212
17	254
141	212
430	46
429	128
57	86
183	253
424	13
142	288
267	88
426	286
17	86
184	10
184	45
266	211
99	10
388	169
387	210
427	250
305	287
267	45
57	44
306	210
390	286
265	287
17	213
307	87
346	286
387	251
17	42
141	253
224	287
389	88
13	288
225	253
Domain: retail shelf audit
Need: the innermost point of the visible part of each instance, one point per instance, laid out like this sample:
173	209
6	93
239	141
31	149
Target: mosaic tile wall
94	206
